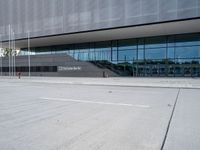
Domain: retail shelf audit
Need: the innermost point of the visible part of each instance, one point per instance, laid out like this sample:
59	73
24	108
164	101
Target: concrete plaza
41	113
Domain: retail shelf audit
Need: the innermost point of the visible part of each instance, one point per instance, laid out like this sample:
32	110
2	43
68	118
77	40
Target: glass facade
173	55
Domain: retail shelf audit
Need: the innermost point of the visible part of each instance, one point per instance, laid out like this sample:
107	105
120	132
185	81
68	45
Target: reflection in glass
149	56
188	52
155	42
155	53
127	55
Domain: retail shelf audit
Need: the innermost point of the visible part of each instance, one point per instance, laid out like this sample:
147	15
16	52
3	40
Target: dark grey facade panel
71	67
48	17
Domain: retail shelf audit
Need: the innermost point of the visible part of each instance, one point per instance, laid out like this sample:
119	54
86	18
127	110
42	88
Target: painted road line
94	102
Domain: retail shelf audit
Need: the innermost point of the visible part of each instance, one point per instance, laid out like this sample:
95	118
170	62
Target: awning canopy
168	28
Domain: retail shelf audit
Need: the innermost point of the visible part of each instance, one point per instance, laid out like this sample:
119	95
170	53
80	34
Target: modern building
99	37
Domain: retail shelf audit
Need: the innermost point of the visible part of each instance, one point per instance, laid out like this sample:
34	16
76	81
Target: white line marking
94	102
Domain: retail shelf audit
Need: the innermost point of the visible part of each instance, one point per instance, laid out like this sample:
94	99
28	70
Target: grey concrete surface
39	114
184	132
115	81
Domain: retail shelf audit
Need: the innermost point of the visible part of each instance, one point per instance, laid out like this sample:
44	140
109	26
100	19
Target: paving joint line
170	120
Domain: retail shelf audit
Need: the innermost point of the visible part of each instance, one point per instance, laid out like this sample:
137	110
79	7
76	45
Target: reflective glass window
155	53
155	42
187	61
98	55
170	52
171	41
188	52
140	54
141	43
71	53
83	56
129	44
103	51
114	55
188	40
103	46
77	55
114	50
171	61
127	55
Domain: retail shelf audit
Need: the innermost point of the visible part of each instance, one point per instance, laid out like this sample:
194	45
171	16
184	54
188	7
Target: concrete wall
48	17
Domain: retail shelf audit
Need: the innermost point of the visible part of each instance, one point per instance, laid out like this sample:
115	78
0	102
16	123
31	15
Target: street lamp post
1	54
29	59
14	55
133	67
9	52
1	63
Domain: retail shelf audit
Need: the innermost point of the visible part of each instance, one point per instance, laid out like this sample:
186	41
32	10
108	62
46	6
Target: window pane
141	54
114	45
141	43
103	51
155	53
187	61
170	53
171	41
114	55
129	44
83	56
188	40
188	52
106	55
155	42
82	46
127	55
103	46
76	55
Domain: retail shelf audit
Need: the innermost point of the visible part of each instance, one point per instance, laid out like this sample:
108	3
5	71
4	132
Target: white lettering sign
73	68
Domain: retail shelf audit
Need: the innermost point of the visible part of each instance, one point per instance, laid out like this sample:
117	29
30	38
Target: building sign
72	68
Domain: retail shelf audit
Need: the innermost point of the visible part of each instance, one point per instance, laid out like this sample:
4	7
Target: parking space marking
94	102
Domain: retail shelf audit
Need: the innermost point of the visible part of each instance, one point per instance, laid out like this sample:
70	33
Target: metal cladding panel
50	17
